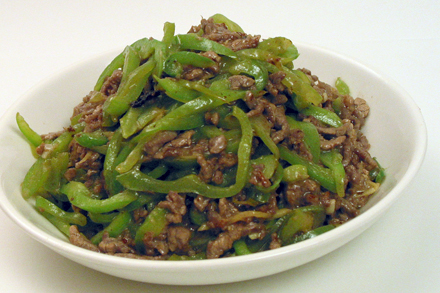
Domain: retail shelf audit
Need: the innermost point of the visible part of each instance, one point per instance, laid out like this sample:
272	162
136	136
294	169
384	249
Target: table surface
399	253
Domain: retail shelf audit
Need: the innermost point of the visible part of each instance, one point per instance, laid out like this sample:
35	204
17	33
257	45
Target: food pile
204	145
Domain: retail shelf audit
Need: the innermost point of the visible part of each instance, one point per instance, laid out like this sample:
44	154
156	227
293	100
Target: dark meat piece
232	233
154	245
226	208
217	144
336	131
111	245
331	143
158	141
201	203
257	176
296	192
178	238
111	84
218	32
276	88
78	239
139	215
91	112
175	203
241	82
212	118
276	242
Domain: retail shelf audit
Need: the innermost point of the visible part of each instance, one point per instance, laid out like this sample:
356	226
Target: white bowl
395	129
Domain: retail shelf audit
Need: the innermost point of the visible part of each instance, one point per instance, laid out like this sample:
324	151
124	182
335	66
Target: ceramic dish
395	129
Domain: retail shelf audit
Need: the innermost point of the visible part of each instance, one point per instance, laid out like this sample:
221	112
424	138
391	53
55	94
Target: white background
399	253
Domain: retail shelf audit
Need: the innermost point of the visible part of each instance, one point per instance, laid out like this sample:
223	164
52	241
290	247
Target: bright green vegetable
342	87
93	139
154	223
115	228
80	197
323	115
322	175
295	173
333	160
232	26
70	217
30	134
130	90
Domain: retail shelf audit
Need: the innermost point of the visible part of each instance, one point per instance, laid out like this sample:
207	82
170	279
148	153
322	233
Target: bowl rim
367	216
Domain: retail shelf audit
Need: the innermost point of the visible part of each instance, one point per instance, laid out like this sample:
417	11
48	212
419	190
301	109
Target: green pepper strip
294	173
174	62
154	223
60	144
304	94
130	90
34	138
194	42
34	179
176	90
298	221
138	181
252	68
232	26
158	171
241	247
377	174
322	175
144	47
262	129
337	105
115	228
311	136
136	119
116	63
281	47
56	166
113	149
168	33
91	139
44	205
313	233
61	224
342	87
333	160
80	196
197	217
323	115
102	218
131	62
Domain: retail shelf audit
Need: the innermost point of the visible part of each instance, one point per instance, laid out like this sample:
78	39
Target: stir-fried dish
204	145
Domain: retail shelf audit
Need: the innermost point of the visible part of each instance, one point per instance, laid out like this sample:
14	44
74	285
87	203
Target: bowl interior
395	130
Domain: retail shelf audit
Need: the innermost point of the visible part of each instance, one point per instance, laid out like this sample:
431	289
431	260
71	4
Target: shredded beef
218	32
257	176
175	203
178	238
232	233
78	239
111	245
240	82
217	144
